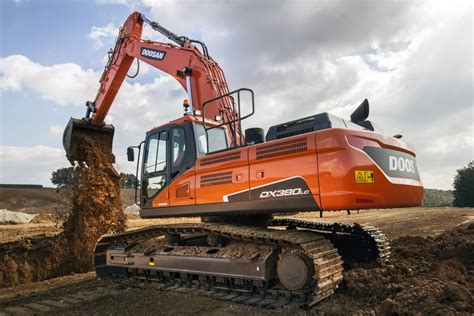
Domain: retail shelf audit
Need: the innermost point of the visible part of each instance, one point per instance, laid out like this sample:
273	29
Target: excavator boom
199	75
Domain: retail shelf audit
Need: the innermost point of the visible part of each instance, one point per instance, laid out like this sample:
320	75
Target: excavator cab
76	133
169	152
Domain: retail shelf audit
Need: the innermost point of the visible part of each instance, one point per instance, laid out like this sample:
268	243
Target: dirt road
394	222
428	275
404	221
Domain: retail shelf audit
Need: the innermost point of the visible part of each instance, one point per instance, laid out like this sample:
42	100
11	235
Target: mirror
130	154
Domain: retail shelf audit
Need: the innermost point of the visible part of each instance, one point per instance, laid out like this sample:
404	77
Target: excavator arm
199	75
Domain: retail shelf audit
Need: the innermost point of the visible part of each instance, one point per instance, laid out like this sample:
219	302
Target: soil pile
425	275
31	259
96	210
96	202
44	200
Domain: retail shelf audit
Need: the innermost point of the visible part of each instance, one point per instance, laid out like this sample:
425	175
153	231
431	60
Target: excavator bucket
78	130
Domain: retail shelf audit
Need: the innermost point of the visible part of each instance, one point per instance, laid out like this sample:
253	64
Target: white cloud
140	107
137	108
128	3
30	165
100	33
415	68
445	144
107	34
137	105
56	130
64	84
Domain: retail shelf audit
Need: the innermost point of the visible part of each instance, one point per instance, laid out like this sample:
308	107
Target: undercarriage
288	262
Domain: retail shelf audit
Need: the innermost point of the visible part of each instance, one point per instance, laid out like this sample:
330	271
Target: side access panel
283	175
182	190
220	174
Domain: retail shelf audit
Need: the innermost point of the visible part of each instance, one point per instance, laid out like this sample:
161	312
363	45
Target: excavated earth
96	210
431	272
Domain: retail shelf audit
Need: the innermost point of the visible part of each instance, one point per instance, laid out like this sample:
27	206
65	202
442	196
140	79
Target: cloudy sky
411	59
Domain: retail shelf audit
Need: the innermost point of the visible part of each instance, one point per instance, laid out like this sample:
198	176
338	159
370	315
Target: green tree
127	180
464	186
436	198
62	178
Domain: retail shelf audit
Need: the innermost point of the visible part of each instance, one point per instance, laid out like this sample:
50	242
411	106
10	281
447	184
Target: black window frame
176	168
206	135
187	162
164	172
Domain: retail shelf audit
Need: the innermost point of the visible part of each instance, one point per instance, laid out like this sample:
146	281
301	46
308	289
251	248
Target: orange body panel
162	199
325	160
183	189
220	174
338	161
281	159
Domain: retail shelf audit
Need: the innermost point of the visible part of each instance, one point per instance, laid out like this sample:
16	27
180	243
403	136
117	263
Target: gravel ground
431	273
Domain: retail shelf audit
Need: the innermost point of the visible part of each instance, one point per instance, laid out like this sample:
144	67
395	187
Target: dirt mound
45	218
425	275
10	217
34	200
96	210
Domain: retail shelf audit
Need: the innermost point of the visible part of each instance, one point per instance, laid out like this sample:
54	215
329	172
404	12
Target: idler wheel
173	239
213	240
295	270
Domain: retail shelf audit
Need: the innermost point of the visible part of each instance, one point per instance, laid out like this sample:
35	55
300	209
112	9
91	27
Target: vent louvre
221	158
216	179
282	148
294	133
182	191
298	123
304	125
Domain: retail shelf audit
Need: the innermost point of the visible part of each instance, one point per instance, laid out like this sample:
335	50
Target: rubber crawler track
307	236
328	265
376	241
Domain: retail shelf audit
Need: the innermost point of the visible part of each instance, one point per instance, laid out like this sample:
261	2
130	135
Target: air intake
282	148
220	158
304	125
216	179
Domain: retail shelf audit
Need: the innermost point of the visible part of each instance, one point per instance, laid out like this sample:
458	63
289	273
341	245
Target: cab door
182	160
155	174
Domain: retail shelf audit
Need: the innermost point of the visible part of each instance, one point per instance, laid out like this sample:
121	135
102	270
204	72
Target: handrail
236	121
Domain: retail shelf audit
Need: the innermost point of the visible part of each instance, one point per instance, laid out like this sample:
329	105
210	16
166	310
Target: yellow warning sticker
362	176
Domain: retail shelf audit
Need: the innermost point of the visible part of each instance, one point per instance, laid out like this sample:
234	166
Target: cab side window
178	150
217	140
156	153
151	151
155	164
154	185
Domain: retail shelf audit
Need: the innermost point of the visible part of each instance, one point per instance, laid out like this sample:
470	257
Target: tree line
63	177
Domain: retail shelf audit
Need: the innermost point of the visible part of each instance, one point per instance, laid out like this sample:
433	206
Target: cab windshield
217	139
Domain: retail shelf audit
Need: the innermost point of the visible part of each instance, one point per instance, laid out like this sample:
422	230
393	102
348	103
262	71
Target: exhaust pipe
77	130
361	113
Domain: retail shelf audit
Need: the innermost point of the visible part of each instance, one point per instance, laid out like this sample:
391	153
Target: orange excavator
203	164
